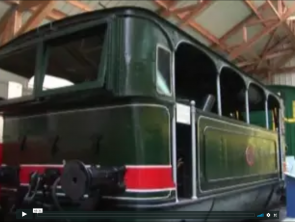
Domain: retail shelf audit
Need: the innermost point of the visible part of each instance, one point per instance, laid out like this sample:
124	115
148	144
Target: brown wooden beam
283	70
9	24
290	33
256	12
83	7
246	46
199	8
38	16
53	15
267	57
240	25
200	29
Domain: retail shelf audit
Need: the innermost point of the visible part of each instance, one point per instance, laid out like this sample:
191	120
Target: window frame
44	53
23	98
158	46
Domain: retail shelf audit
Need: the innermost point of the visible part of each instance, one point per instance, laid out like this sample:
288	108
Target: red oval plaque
250	157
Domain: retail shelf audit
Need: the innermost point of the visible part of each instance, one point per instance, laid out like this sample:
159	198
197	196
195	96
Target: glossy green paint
131	135
137	62
222	158
108	136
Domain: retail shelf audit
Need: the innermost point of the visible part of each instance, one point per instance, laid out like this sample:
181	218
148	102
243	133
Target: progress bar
158	215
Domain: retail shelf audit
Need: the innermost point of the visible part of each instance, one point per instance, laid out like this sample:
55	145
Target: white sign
15	90
290	165
183	114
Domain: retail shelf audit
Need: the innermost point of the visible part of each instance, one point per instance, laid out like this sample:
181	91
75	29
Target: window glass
74	59
163	71
16	69
51	82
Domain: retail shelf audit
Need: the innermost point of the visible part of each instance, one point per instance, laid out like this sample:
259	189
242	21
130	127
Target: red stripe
135	178
149	178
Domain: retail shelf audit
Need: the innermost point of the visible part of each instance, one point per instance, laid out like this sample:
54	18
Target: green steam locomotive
147	118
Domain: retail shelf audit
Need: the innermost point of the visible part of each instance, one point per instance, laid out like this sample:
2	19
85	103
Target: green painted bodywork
137	135
222	146
131	134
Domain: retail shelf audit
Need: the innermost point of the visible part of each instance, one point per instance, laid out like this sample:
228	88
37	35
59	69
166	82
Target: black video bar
119	215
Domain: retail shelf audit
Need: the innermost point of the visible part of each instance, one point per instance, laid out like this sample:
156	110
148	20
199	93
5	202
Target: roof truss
271	59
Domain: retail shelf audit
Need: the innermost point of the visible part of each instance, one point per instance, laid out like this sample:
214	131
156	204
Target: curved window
162	86
163	71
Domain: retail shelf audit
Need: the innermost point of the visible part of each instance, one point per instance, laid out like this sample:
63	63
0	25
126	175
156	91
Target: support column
247	106
266	114
194	150
219	105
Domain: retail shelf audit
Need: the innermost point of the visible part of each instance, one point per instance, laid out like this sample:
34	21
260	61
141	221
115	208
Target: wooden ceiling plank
266	57
165	12
273	49
27	4
264	51
285	70
202	6
241	24
244	47
37	17
205	33
83	7
9	23
7	32
53	15
170	8
282	62
288	29
263	21
278	69
5	19
256	12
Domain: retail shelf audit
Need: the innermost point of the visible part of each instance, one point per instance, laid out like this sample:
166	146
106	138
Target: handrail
291	120
194	150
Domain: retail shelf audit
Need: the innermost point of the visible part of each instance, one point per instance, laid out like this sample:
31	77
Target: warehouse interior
258	36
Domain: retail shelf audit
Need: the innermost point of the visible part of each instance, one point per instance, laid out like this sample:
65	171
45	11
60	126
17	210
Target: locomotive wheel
74	180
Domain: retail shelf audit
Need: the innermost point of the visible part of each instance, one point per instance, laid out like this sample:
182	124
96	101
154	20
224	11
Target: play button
24	214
